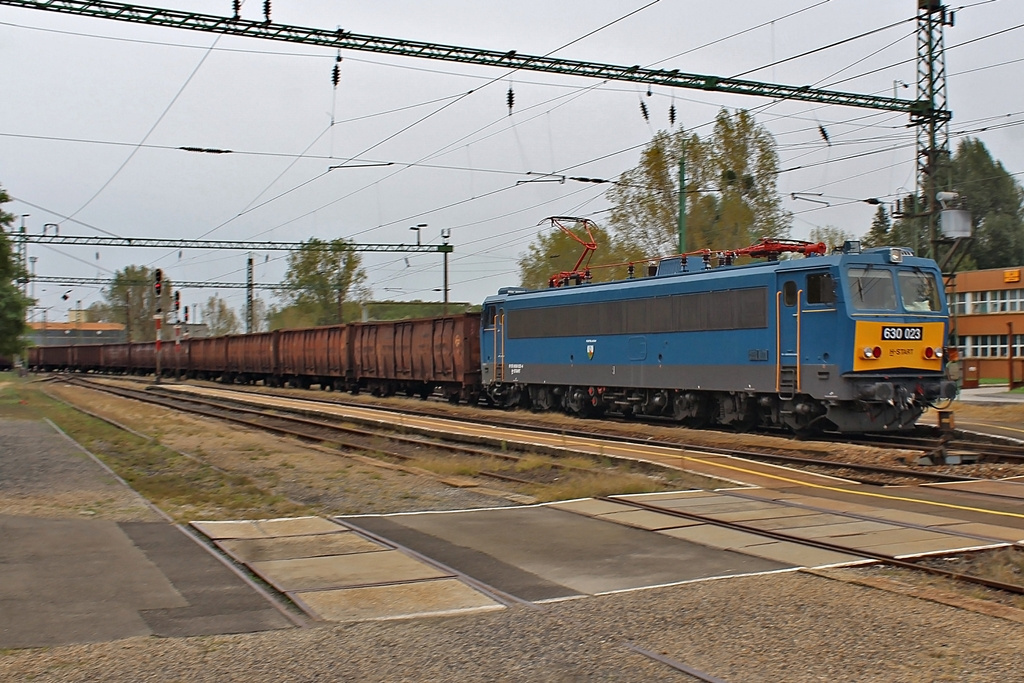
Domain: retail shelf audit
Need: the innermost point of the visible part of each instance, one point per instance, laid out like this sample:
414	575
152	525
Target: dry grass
182	487
598	484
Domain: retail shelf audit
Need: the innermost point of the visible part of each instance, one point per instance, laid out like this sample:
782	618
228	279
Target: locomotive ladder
499	358
787	364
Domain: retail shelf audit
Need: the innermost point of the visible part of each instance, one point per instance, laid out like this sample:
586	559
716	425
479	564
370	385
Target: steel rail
821	545
731	452
173	400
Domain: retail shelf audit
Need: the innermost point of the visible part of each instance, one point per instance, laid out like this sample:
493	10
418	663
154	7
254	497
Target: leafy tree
731	192
994	200
219	317
554	251
831	236
12	302
880	233
322	277
130	299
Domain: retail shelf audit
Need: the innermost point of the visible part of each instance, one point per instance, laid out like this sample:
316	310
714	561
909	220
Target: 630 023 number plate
893	333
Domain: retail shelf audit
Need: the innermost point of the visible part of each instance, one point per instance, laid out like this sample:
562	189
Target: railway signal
157	286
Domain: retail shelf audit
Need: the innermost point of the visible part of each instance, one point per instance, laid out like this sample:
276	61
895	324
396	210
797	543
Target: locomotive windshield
872	289
918	291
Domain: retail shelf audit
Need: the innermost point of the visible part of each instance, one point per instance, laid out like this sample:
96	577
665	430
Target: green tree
130	299
995	201
831	236
323	285
12	302
553	251
731	190
219	317
880	233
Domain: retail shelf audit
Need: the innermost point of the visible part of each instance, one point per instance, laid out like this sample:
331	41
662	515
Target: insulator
824	134
672	115
511	99
643	110
335	75
648	91
631	272
236	7
266	10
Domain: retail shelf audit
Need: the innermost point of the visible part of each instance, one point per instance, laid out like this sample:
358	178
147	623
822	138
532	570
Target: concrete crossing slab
996	532
339	571
373	603
544	553
265	528
802	555
647	519
248	550
841	529
717	537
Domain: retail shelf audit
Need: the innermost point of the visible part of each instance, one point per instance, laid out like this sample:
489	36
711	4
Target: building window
980	302
958	306
987	346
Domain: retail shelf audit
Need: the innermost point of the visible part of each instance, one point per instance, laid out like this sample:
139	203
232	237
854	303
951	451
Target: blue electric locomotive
852	341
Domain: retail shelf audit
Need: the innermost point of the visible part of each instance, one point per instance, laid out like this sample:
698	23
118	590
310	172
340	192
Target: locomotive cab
895	365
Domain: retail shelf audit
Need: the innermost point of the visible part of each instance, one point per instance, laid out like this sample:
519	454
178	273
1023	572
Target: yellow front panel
902	345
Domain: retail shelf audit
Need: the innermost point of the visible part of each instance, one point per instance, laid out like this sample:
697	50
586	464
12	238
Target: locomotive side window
821	289
789	293
918	291
489	316
872	289
733	309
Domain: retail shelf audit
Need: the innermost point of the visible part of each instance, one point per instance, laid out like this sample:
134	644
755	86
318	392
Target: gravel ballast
789	626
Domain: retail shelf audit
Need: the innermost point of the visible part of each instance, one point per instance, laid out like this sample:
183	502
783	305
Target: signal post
158	318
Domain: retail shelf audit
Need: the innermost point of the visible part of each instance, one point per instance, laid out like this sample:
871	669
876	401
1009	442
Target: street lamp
446	233
417	228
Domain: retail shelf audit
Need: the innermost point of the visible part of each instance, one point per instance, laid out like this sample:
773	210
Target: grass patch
597	484
181	487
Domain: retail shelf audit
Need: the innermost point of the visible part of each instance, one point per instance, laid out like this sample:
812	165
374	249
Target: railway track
872	474
296	423
922	565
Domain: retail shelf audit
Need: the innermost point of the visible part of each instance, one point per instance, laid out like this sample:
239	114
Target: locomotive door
492	347
787	308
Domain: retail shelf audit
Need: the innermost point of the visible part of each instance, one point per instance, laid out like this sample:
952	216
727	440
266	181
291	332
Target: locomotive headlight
895	255
931	353
870	352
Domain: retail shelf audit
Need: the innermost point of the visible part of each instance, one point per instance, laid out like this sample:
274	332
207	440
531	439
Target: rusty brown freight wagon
315	355
251	357
419	356
144	357
49	358
208	357
116	358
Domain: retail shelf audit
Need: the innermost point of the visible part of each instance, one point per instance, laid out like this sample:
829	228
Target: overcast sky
94	110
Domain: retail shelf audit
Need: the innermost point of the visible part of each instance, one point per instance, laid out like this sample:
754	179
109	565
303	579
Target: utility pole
933	153
446	233
248	297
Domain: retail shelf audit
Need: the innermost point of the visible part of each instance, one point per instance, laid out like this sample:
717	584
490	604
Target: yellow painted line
993	426
854	491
